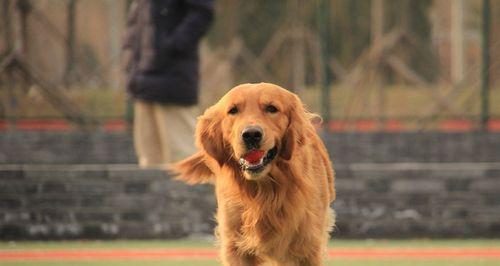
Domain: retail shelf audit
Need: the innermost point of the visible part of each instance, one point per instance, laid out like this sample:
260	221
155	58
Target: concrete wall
418	200
77	184
99	201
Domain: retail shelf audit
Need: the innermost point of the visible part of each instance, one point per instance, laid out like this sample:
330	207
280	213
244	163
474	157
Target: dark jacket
161	49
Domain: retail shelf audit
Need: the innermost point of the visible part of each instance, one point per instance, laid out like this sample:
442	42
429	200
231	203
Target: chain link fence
364	65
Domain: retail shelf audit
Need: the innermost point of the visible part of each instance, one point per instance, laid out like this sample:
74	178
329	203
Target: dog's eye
233	110
271	109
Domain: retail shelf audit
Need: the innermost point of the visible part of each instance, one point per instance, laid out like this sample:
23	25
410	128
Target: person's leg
146	138
176	125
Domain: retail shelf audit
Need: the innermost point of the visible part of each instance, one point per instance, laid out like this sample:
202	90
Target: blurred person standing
161	64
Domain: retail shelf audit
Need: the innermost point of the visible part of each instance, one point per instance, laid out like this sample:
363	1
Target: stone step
121	200
78	171
100	201
419	169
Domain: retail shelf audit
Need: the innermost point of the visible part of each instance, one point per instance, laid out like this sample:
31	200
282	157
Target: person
161	67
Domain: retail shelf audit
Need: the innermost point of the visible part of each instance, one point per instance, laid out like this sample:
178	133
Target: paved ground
204	253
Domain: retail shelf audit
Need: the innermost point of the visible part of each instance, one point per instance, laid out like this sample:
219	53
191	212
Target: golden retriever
273	178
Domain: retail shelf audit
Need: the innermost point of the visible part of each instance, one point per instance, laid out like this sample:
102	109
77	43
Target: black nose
252	136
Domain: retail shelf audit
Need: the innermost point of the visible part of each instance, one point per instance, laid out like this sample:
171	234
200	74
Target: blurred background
409	92
373	65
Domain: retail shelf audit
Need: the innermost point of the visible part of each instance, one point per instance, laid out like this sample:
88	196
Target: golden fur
282	215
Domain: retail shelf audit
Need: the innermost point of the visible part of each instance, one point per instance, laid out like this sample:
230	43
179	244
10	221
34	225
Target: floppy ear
202	166
209	136
298	126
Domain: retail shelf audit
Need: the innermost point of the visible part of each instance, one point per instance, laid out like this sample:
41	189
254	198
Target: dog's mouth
255	161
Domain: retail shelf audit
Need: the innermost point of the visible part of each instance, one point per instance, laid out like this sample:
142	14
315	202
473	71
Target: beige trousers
163	134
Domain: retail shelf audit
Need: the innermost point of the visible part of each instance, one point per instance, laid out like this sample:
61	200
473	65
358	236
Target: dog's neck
272	203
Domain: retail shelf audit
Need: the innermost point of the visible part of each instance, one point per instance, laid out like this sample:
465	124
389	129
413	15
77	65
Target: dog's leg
297	262
316	260
313	256
231	257
229	253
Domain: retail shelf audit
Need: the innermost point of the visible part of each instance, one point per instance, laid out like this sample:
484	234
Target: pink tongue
254	156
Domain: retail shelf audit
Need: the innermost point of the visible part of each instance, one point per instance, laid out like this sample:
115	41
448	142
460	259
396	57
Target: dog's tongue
254	156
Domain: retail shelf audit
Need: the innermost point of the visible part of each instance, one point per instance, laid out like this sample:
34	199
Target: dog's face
254	125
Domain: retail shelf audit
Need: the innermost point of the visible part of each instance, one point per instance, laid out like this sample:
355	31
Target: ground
193	253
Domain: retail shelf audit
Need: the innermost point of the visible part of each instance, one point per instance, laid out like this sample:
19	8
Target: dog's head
253	126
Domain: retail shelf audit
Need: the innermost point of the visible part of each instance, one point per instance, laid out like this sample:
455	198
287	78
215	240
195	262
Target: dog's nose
252	136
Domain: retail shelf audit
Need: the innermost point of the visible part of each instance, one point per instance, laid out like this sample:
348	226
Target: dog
273	178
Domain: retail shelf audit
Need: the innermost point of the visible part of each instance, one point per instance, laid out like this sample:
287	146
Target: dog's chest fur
267	214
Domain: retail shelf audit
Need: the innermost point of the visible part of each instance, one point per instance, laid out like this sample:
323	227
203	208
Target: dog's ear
299	127
202	166
209	136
